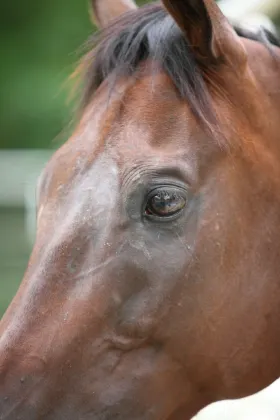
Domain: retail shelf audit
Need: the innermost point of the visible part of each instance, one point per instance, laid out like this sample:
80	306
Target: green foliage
38	47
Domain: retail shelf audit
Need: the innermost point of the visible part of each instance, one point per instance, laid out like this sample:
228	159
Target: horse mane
150	33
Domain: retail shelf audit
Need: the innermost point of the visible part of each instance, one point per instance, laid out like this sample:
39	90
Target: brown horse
154	283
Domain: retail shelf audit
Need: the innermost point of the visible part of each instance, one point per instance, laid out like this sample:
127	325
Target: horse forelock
150	34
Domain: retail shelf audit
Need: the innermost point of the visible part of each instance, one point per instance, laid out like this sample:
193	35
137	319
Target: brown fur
124	315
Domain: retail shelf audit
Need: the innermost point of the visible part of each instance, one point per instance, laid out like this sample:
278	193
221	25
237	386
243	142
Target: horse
153	286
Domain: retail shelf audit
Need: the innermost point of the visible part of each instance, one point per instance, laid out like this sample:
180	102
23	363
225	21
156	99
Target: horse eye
165	203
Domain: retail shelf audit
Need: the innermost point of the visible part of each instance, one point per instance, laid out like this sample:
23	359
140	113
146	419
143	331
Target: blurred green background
40	45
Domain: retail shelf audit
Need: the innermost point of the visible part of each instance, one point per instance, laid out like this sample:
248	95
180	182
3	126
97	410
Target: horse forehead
153	99
153	119
84	151
141	118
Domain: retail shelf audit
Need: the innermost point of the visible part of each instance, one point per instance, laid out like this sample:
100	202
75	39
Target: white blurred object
251	14
265	405
236	9
19	170
254	21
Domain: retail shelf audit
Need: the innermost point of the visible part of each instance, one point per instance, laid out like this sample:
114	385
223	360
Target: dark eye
165	202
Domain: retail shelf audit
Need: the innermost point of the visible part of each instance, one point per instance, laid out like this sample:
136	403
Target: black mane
149	32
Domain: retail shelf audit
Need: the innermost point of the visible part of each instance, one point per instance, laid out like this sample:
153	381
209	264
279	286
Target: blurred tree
38	41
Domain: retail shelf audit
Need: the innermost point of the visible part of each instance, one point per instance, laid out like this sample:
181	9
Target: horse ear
208	31
104	11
